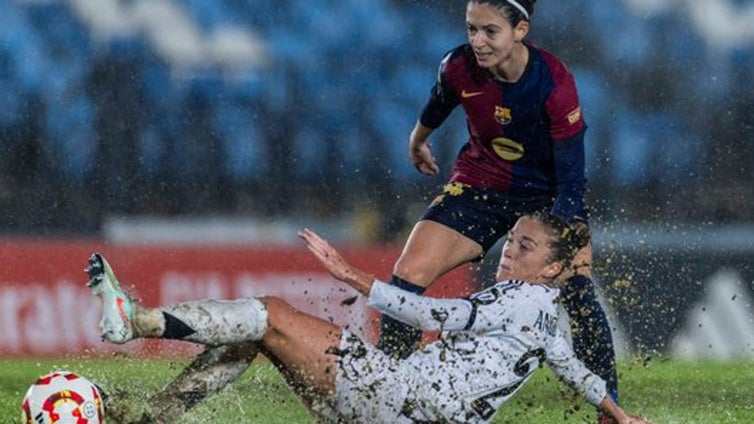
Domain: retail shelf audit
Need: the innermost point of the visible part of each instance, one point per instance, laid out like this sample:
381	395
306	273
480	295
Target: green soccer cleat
117	306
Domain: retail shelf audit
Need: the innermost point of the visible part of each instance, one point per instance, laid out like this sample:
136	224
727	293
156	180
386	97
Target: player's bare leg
299	343
208	322
431	251
303	345
204	321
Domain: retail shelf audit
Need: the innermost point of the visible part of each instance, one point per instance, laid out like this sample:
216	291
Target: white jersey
490	344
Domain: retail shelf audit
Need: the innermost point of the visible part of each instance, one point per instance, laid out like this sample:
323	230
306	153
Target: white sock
219	322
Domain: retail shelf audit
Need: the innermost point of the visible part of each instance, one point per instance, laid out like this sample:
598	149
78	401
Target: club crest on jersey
507	148
503	115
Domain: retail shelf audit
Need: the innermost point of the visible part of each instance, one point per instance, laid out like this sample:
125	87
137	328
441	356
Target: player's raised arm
412	309
334	262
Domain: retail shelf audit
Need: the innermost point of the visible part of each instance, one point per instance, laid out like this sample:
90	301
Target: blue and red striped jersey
525	138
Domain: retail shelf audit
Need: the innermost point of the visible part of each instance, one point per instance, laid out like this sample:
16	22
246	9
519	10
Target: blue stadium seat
343	71
632	148
393	121
24	47
244	143
60	30
69	128
11	96
631	46
677	152
208	14
595	104
309	147
259	14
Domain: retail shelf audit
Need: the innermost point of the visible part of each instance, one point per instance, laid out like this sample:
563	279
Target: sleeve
441	101
570	181
574	373
567	129
562	105
422	312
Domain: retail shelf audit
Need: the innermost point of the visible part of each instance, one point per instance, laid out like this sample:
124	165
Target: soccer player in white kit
490	343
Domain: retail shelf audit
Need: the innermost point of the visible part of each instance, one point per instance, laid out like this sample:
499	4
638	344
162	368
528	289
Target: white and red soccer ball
63	397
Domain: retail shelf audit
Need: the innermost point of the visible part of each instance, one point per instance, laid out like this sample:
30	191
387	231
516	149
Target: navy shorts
482	214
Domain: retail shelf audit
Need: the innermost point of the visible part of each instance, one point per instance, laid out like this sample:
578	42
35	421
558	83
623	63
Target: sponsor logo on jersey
574	116
466	94
503	115
507	148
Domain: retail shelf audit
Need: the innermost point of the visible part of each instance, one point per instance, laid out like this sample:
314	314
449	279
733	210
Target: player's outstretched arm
575	374
334	262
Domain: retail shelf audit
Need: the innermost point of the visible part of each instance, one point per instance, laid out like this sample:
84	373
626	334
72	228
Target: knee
414	272
277	311
275	305
280	313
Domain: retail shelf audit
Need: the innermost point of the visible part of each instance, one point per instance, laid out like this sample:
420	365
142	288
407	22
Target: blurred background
238	121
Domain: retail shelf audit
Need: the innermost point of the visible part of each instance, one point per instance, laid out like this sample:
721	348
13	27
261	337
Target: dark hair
512	14
568	239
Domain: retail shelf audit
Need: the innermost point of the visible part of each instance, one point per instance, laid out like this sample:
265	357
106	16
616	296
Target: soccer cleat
117	306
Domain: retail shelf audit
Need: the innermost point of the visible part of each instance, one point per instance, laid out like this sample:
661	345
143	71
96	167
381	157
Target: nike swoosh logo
466	94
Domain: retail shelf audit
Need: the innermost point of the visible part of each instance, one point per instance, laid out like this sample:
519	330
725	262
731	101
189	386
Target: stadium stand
211	101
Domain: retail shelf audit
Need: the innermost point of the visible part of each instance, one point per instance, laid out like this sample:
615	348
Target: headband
518	6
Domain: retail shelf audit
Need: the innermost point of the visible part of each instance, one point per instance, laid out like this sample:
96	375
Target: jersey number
526	365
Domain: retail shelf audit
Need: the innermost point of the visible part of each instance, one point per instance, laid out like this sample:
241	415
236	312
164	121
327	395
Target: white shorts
370	387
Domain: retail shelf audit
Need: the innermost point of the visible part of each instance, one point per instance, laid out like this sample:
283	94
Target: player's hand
582	261
423	160
635	419
582	228
619	415
334	262
327	255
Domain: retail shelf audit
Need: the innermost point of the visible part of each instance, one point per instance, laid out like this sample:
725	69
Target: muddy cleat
117	307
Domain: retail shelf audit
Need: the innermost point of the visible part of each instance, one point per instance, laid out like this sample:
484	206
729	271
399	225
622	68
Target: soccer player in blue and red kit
525	153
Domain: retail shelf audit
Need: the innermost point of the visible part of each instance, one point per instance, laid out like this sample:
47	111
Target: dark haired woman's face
490	35
526	253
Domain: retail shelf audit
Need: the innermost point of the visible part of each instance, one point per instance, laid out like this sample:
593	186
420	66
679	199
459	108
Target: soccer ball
62	397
